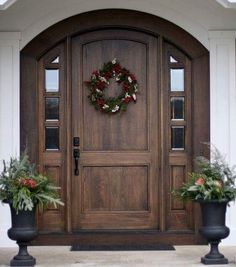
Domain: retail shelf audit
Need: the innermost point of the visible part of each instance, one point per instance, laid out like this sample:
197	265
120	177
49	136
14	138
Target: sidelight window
52	96
55	60
177	103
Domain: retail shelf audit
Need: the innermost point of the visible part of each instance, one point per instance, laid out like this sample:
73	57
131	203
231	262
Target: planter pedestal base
21	263
214	256
23	258
207	261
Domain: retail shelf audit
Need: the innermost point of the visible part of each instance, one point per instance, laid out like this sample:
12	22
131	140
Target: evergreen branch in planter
24	187
213	180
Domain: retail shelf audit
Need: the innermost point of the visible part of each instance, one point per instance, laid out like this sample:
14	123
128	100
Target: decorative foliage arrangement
100	80
215	180
22	186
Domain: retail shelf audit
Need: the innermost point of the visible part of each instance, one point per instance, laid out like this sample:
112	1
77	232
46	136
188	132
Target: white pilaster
9	113
223	105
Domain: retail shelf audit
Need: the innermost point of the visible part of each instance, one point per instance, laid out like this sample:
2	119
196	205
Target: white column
223	105
9	113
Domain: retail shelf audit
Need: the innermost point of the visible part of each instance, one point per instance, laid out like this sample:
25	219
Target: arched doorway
128	163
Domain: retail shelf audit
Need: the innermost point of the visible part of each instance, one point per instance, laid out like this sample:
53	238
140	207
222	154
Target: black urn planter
23	230
214	229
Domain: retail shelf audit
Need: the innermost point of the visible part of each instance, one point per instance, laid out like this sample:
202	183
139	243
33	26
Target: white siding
9	113
223	105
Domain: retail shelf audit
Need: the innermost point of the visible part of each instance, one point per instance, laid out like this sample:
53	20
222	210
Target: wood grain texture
120	237
28	105
52	162
178	175
178	163
116	146
111	189
133	56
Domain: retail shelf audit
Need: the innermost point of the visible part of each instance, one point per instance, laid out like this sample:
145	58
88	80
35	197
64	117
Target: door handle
76	154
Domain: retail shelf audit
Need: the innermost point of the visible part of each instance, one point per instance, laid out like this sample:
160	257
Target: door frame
104	19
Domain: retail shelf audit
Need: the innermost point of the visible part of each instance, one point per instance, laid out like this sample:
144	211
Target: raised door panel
126	131
112	189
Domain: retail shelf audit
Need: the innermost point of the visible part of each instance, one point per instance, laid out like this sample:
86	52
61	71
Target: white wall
177	12
223	105
9	113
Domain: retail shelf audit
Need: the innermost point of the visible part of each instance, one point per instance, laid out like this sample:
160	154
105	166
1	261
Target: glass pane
56	60
52	80
177	80
52	138
173	60
52	108
177	108
177	137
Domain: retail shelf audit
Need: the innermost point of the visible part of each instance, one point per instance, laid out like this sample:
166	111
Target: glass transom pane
52	80
177	138
56	60
177	80
173	60
52	138
52	108
177	108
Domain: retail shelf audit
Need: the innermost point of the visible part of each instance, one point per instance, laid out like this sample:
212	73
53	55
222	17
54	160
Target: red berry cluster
28	182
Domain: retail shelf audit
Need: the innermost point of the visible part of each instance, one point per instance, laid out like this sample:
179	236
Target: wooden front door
130	161
117	187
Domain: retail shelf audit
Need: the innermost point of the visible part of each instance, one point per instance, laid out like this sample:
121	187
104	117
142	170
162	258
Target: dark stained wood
201	113
119	238
111	131
127	168
115	189
28	107
177	176
177	163
52	162
201	105
105	173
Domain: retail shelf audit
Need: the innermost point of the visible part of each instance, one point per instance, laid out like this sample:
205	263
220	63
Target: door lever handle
76	154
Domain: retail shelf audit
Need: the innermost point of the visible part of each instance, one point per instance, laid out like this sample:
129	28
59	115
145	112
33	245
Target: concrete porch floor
183	256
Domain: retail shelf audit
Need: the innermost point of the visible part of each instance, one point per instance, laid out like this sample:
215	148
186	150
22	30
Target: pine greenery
21	185
215	180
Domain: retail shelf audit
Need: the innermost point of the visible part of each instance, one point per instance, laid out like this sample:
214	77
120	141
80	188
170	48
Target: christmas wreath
100	80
